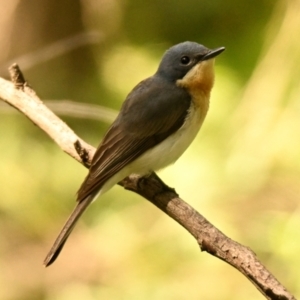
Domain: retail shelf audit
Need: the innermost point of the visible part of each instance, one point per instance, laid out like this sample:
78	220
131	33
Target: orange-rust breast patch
199	82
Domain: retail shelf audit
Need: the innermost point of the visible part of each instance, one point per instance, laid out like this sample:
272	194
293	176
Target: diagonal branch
19	95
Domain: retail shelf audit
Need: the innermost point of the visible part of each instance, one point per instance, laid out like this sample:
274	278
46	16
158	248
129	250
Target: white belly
165	153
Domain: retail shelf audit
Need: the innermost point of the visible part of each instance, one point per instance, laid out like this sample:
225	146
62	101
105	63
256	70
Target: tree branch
19	95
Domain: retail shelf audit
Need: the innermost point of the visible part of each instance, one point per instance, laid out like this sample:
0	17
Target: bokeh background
242	172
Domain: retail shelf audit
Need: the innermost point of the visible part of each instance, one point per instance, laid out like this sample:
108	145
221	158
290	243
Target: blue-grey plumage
157	122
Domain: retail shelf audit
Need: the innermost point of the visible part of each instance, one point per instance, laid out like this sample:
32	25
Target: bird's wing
151	112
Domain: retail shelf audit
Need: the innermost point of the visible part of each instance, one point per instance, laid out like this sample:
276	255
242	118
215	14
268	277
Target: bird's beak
213	53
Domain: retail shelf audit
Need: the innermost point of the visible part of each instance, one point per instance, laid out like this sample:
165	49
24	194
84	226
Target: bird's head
189	65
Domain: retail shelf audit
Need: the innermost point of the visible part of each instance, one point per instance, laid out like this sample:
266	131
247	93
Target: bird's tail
66	230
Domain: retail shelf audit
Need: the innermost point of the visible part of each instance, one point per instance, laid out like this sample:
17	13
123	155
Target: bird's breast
199	82
169	150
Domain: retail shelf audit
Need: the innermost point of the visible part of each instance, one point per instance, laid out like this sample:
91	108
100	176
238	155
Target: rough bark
19	95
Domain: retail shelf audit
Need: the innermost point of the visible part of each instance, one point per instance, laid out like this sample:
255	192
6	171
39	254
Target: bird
157	122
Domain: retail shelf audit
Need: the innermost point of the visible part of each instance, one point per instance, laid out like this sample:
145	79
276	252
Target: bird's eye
185	60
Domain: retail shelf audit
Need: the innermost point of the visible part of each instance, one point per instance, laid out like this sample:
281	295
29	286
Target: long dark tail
66	231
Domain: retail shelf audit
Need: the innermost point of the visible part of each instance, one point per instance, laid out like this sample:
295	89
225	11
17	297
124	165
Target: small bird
158	120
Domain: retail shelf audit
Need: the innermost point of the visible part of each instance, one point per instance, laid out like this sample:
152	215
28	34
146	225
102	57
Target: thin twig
69	108
55	49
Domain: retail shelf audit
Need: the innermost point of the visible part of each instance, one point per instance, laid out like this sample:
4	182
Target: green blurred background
242	172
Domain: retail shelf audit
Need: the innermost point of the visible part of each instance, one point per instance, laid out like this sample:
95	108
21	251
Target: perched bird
157	122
